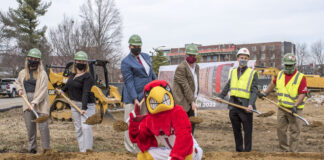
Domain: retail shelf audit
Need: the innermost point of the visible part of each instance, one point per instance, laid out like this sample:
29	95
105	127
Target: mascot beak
159	99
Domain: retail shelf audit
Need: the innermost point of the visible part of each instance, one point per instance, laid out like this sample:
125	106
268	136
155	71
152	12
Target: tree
158	60
301	55
318	56
21	24
68	38
103	25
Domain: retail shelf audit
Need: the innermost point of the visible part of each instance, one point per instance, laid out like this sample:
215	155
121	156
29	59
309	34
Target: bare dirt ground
214	135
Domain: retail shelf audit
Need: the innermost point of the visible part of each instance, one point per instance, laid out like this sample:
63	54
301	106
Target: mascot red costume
165	122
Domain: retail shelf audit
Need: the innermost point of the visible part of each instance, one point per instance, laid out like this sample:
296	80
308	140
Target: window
208	48
208	58
254	48
273	56
214	58
263	56
272	64
201	49
272	47
254	57
262	64
263	48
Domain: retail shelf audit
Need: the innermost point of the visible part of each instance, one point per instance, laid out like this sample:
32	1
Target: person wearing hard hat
78	87
291	90
243	88
186	82
137	71
32	82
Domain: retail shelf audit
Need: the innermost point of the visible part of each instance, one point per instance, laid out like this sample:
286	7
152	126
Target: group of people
161	102
32	82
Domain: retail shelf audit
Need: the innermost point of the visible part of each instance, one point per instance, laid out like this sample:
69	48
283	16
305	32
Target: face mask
289	69
136	51
243	62
32	63
81	66
191	60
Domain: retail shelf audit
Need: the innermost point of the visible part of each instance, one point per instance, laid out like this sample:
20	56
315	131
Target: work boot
33	151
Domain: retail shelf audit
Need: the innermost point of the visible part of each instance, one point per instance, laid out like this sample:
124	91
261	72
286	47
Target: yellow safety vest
288	95
241	87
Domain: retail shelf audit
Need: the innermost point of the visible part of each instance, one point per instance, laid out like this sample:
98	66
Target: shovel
195	119
287	110
38	119
235	105
121	126
94	119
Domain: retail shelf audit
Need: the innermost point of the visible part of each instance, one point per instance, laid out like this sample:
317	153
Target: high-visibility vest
241	87
288	94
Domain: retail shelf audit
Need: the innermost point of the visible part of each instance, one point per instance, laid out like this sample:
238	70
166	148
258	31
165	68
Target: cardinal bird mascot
165	122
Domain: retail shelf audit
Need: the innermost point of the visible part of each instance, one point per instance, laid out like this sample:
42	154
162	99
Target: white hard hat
244	51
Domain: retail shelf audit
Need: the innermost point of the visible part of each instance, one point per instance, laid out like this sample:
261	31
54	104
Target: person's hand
59	92
218	99
31	107
194	106
261	95
20	92
83	112
249	109
294	110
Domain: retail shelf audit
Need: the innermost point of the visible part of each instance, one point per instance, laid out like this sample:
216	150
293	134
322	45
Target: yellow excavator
106	96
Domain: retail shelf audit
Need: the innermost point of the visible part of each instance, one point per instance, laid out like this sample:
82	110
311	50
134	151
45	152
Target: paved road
6	102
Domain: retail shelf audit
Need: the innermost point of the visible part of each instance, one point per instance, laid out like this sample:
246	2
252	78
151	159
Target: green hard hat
36	53
192	49
81	56
289	59
135	40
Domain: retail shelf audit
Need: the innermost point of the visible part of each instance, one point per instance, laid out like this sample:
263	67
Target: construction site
161	80
214	135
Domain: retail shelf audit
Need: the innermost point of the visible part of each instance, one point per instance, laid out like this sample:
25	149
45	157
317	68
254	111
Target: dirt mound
127	156
262	155
120	126
316	124
267	114
94	119
196	120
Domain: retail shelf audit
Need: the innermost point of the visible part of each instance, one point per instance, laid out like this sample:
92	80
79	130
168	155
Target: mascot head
158	97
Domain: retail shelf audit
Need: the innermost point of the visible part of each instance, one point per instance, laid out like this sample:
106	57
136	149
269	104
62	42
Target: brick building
268	54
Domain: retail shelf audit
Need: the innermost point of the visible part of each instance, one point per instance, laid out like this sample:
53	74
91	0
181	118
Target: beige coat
184	86
41	98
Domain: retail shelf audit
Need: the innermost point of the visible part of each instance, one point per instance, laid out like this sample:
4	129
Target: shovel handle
235	105
286	110
71	103
29	105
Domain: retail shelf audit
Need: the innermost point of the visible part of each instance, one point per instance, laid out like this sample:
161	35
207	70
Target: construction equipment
94	119
107	96
286	110
38	119
233	104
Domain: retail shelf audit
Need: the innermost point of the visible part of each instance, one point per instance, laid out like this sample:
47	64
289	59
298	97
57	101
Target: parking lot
6	102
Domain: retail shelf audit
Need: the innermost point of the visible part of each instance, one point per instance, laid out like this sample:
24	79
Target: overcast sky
172	23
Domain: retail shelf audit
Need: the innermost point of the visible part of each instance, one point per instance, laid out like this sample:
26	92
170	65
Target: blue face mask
243	62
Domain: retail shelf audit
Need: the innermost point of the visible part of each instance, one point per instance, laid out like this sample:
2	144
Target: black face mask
136	51
32	63
81	66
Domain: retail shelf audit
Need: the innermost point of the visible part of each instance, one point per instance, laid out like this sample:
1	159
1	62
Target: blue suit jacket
135	77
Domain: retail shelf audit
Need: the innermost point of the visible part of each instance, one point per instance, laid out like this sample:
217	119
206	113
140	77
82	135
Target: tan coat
184	86
41	98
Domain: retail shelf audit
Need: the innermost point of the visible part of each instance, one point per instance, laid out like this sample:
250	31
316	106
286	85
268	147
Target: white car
7	87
